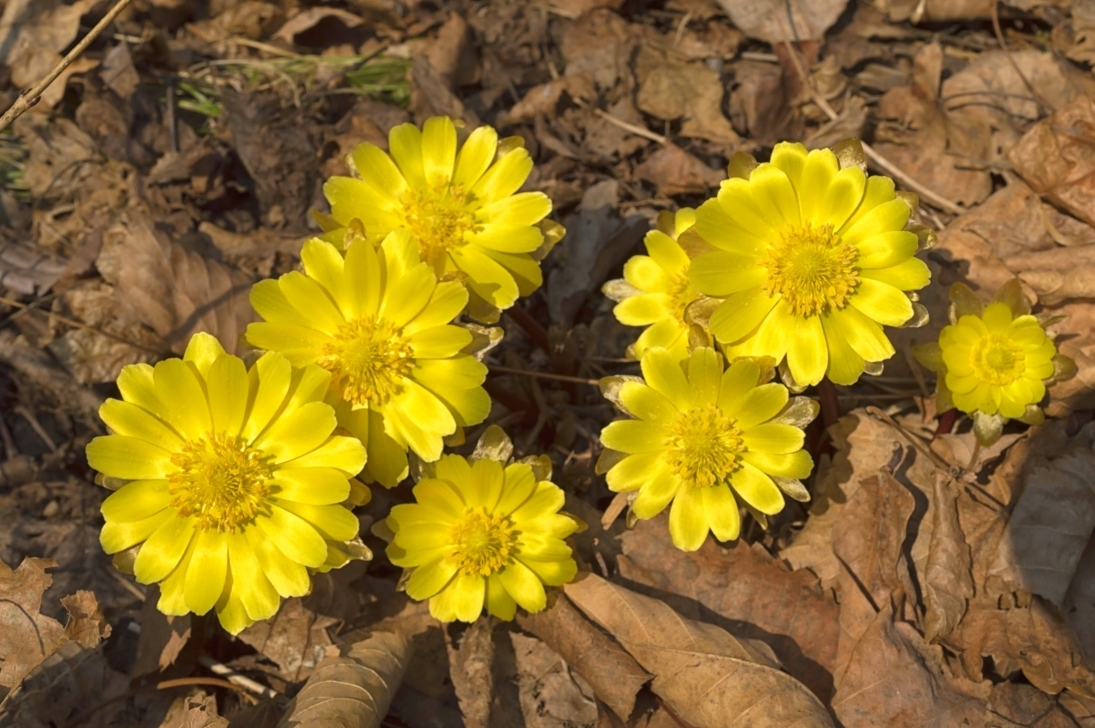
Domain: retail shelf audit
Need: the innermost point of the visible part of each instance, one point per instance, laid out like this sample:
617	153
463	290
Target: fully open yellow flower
379	321
703	436
655	290
460	206
229	482
480	534
814	258
994	362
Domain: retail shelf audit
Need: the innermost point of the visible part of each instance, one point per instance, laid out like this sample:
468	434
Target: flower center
704	446
439	217
681	293
812	269
484	543
368	359
220	481
997	359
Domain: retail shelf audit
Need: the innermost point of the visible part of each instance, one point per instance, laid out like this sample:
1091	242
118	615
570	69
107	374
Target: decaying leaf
676	172
355	689
32	35
548	695
948	580
776	21
707	676
295	639
26	635
760	597
471	673
198	710
670	89
613	674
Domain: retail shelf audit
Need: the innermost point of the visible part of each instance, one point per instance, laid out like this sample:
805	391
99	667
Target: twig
881	162
29	98
543	375
82	325
234	677
995	5
634	129
35	425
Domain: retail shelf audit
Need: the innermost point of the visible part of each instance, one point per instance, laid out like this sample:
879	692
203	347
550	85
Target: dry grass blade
355	690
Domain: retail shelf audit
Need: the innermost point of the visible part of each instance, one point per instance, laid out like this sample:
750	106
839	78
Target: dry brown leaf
194	711
777	21
32	35
162	637
308	19
548	695
761	597
543	99
676	172
1059	274
174	291
40	369
671	88
893	678
471	673
612	673
705	675
578	8
947	580
28	270
296	639
86	624
599	48
1079	601
355	689
27	637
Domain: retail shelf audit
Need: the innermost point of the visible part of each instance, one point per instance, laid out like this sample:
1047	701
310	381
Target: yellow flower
379	321
655	290
229	482
461	207
480	534
701	436
814	258
994	362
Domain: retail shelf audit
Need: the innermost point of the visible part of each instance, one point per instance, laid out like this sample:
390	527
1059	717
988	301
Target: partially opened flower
655	291
380	323
814	258
460	204
702	439
994	362
229	483
482	534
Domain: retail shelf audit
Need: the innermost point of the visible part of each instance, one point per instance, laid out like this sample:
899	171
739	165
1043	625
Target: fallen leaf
295	639
42	371
548	695
578	8
947	580
775	21
1079	602
32	36
86	624
194	711
27	636
71	680
355	689
758	103
705	675
671	89
431	97
599	48
676	172
760	597
174	291
1016	704
544	98
308	19
28	270
471	673
162	637
612	673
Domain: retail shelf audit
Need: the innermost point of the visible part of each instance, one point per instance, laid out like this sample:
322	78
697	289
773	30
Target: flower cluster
232	484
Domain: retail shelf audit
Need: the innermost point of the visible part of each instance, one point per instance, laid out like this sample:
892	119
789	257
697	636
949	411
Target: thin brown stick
29	98
879	161
543	375
81	325
1007	52
639	130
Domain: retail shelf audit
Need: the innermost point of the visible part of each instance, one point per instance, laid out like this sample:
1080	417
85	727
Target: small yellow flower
379	322
994	362
482	534
229	482
460	206
701	436
814	258
655	290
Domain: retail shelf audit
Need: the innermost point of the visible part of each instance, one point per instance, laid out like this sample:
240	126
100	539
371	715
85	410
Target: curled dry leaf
353	690
676	172
613	674
296	639
708	677
671	88
174	291
471	673
777	21
948	579
764	599
194	711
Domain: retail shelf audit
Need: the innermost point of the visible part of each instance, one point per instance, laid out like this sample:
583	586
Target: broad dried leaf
354	690
27	637
28	270
761	597
676	172
471	673
174	291
194	711
32	35
296	639
548	695
613	674
707	676
777	21
948	579
671	89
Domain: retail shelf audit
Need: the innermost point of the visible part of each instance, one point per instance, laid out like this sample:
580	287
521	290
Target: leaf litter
928	581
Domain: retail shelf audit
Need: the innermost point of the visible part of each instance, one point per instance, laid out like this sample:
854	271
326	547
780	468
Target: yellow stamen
439	217
704	446
812	269
485	543
681	293
221	481
997	359
369	359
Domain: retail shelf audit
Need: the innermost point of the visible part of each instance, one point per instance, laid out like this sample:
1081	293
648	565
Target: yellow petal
498	601
524	586
260	598
663	372
757	489
885	250
762	404
520	487
656	493
117	536
634	471
643	309
738	382
723	273
294	536
318	486
387	459
475	156
862	334
334	522
362	271
136	501
378	171
447	301
666	252
439	342
405	146
845	365
774	196
202	350
163	550
687	519
420	419
554	572
882	302
646	403
790	465
325	265
508	238
887	217
438	149
207	570
345	454
721	509
228	394
645	274
521	209
130	458
807	355
817	176
741	314
289	578
128	419
791	158
504	178
773	438
843	196
705	376
300	345
429	579
461	600
312	299
183	396
486	276
910	275
298	433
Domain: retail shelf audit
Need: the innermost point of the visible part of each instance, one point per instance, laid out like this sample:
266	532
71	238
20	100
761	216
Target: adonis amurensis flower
702	439
994	362
459	204
655	291
229	483
379	321
814	258
483	534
